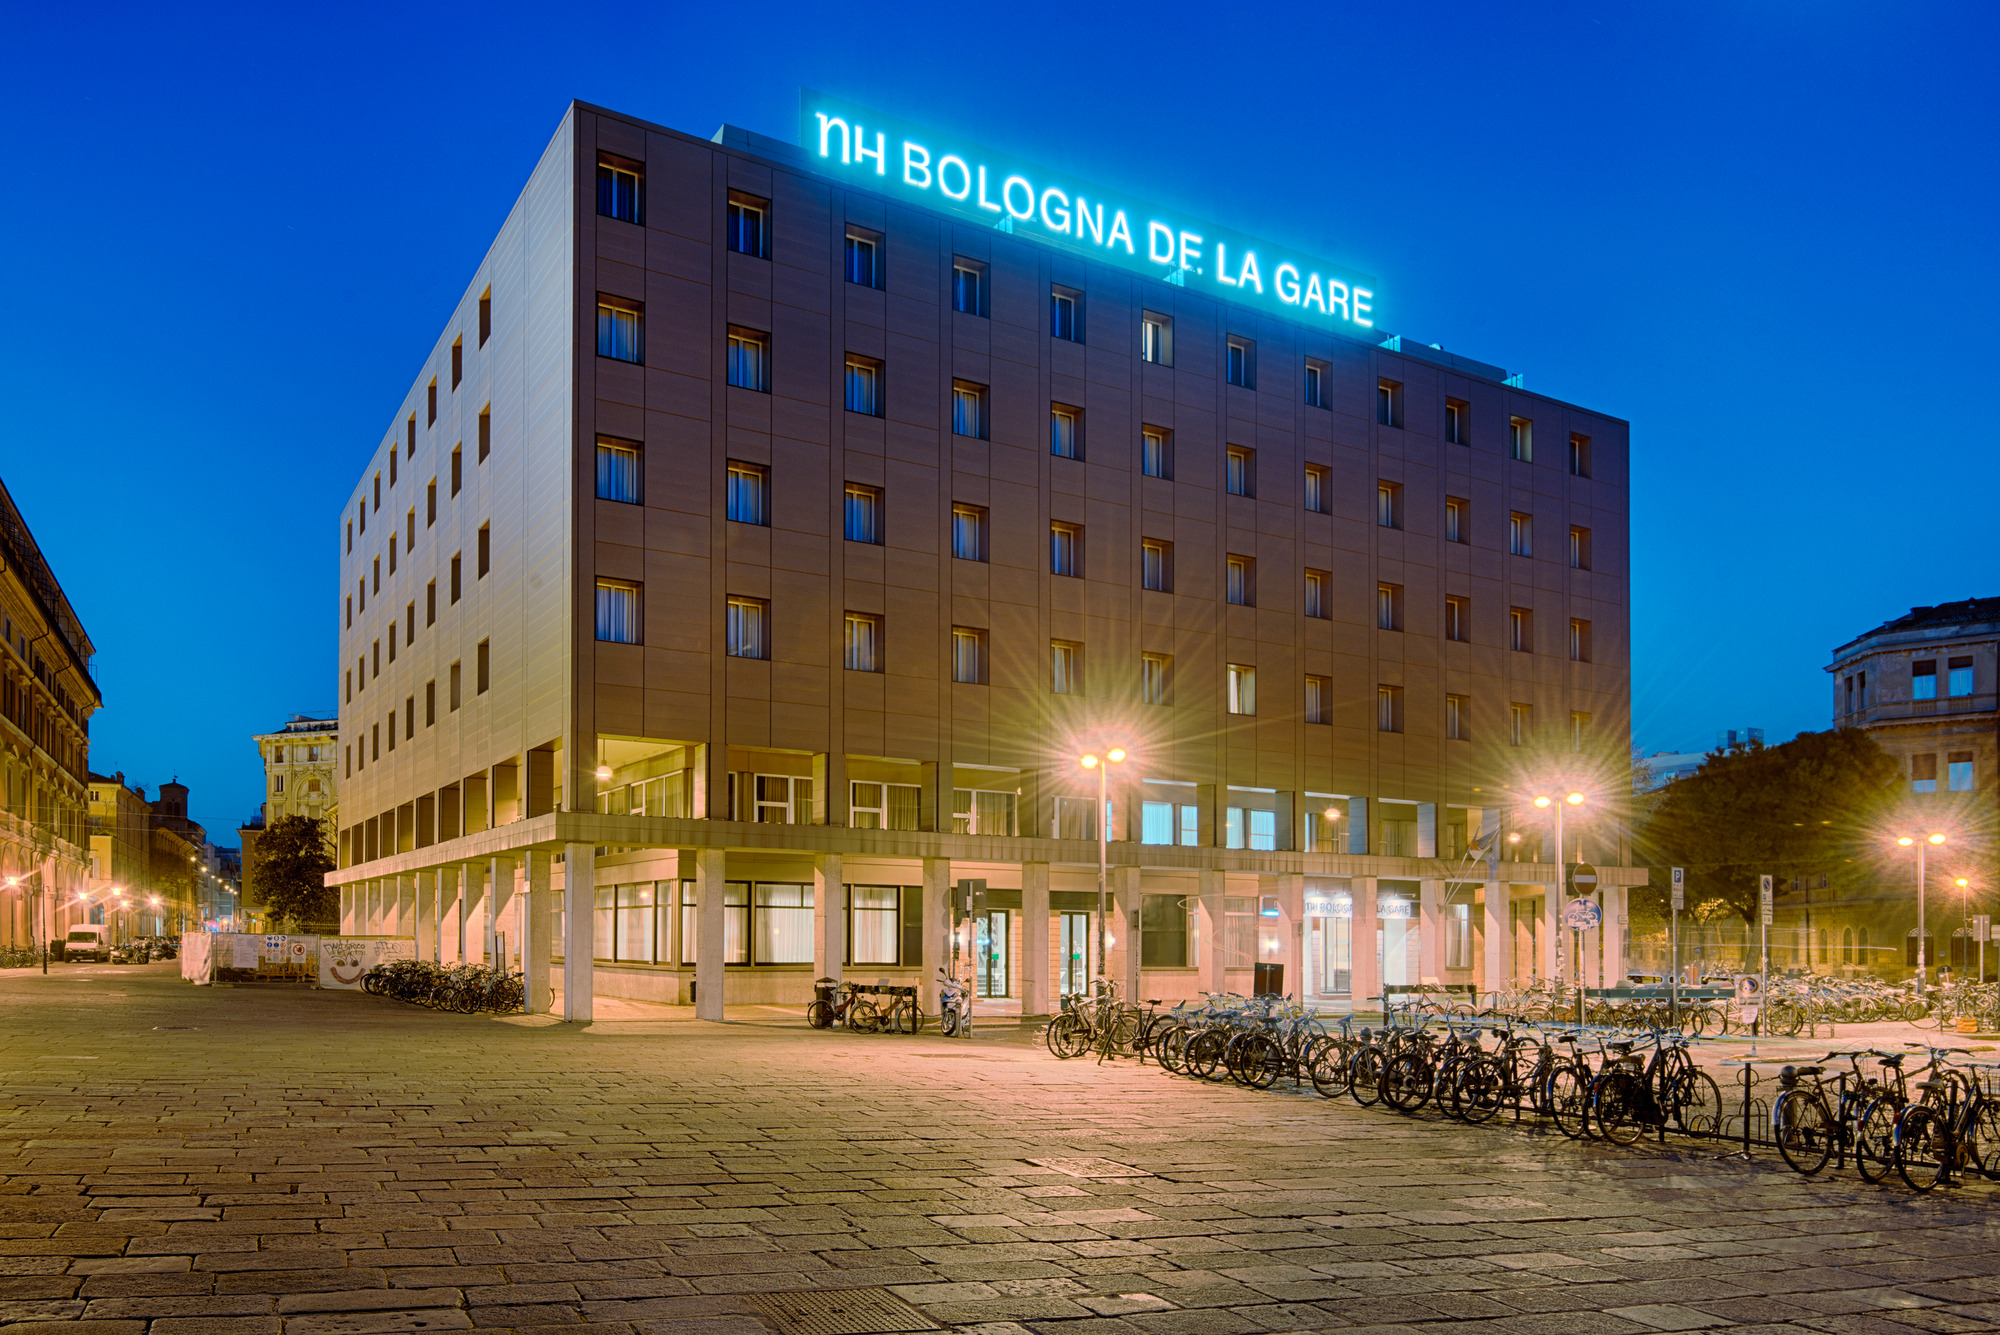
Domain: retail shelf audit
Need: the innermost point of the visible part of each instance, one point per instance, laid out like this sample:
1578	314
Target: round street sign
1582	879
1582	915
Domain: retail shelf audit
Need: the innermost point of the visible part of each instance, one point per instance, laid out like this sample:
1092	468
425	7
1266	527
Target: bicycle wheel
1407	1081
819	1015
910	1017
1985	1132
1566	1097
863	1017
1205	1053
1171	1049
1614	1108
1803	1129
1125	1030
1478	1090
1258	1062
1923	1147
1364	1076
1329	1070
1695	1103
1066	1037
1875	1140
1708	1022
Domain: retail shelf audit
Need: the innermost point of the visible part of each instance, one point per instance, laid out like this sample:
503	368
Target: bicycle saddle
1156	1002
1893	1059
1928	1085
1810	1070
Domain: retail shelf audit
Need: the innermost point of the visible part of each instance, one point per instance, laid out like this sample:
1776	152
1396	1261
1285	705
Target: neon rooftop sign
956	176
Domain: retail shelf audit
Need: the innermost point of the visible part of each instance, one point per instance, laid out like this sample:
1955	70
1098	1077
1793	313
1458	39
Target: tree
1812	807
288	874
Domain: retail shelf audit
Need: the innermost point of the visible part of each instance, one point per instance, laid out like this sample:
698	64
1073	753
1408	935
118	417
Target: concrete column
350	914
499	890
426	917
580	932
1291	929
1126	952
1037	988
1497	954
406	907
539	946
451	917
1367	968
1617	899
472	930
1552	951
829	917
1430	931
709	995
1209	892
937	925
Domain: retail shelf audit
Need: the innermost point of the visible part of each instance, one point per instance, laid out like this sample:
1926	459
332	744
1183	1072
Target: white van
88	940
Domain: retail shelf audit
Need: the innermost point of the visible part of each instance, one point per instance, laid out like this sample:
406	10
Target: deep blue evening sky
1762	230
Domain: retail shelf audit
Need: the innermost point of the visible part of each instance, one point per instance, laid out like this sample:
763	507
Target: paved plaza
183	1160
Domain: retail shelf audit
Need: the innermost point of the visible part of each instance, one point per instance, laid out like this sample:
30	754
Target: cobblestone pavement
234	1160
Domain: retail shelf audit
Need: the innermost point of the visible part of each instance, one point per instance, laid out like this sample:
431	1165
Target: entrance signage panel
956	176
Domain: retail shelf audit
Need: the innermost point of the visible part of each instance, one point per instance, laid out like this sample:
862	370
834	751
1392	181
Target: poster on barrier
343	960
244	950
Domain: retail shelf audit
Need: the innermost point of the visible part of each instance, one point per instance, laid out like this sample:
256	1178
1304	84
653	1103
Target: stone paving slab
305	1163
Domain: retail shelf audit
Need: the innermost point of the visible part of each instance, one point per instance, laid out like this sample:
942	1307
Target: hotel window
749	232
1241	466
617	470
1457	422
1579	456
393	456
748	628
1242	689
378	491
392	641
1923	679
1520	724
429	420
350	610
968	655
1156	339
1065	431
1521	439
1456	512
863	643
1457	619
457	559
750	360
1315	384
864	258
1923	774
620	329
749	493
1388	709
485	432
874	924
1457	720
457	365
485	549
392	553
618	181
1960	680
410	541
1156	679
1579	548
409	717
453	693
410	622
618	612
1319	494
1388	607
485	316
1156	565
1066	314
882	806
1388	403
1241	574
1066	550
864	385
1958	771
1242	362
457	468
1579	731
968	409
350	532
864	513
1318	603
1156	452
1579	641
482	665
1319	700
968	287
1388	505
1065	667
1521	629
968	532
1521	534
431	603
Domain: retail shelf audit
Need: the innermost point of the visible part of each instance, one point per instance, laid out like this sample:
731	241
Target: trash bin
1269	981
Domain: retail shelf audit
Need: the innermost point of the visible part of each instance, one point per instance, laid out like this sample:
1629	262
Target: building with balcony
763	541
47	696
300	779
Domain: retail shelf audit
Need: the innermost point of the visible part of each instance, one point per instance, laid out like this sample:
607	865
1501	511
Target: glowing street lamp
1543	802
1111	757
1921	845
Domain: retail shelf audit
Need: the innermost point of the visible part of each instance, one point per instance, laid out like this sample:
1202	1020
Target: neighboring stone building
121	823
300	779
47	696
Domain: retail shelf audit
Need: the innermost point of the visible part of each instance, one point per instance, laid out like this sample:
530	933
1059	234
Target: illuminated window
1923	774
1923	679
1242	689
968	286
1065	668
968	655
618	611
968	409
1156	565
749	493
618	182
863	643
1958	771
1156	339
748	225
864	385
1065	431
748	628
620	329
750	359
1389	403
1960	682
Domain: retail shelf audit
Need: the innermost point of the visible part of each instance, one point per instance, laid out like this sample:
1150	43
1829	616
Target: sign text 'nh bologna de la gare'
881	153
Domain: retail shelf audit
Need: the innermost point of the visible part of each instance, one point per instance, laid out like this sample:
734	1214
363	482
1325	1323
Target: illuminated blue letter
1159	241
1221	264
916	159
1288	288
1249	277
983	201
1336	295
1084	219
1049	219
1363	307
1314	297
1007	197
826	123
1121	231
862	154
1190	248
947	162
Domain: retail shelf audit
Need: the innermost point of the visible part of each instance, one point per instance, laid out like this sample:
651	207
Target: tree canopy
288	874
1812	807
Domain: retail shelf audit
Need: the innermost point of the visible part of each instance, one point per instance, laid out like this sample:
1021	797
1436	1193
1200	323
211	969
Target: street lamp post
1111	757
1571	800
1907	841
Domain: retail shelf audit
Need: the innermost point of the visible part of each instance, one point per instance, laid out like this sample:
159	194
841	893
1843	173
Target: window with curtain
605	906
667	910
982	811
968	655
749	359
617	471
1065	432
1065	668
864	513
618	605
747	637
633	938
968	532
619	329
864	634
968	410
690	928
782	924
736	922
874	924
1242	689
747	495
864	386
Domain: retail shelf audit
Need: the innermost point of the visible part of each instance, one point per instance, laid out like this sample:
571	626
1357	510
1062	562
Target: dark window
968	287
618	184
485	549
483	675
457	468
433	400
456	559
485	316
1388	403
1241	471
454	692
457	361
1066	314
748	225
864	259
1457	422
1065	431
430	702
485	432
1315	384
1156	452
1242	362
431	503
431	603
412	433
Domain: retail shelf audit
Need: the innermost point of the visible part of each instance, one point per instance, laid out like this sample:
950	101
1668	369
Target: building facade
47	696
301	778
756	555
119	890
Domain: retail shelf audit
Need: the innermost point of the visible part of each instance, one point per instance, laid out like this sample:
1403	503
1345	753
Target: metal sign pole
1674	987
1764	934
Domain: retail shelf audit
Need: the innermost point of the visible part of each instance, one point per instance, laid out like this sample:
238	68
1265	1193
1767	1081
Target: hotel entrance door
1073	946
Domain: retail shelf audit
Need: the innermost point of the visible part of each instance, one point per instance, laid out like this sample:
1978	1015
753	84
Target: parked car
88	941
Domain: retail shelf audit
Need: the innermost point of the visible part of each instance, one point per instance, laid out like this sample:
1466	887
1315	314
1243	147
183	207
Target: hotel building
759	547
